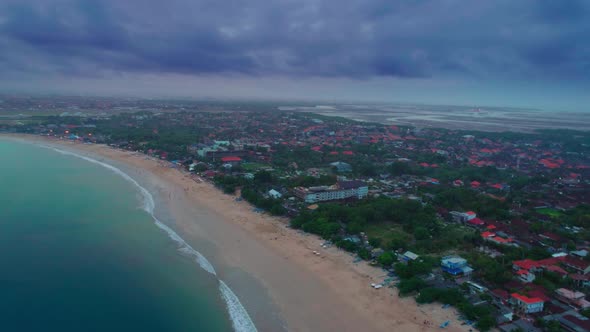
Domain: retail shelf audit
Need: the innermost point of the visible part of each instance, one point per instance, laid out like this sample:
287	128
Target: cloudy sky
527	53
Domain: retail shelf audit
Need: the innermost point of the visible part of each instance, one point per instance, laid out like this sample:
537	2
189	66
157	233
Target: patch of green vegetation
253	166
550	212
390	235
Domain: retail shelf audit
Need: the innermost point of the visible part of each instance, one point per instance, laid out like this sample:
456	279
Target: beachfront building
527	305
455	265
341	190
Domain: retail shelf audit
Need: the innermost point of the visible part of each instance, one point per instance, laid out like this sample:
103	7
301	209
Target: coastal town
493	224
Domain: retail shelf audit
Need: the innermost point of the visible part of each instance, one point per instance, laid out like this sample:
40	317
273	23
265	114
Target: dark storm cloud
304	38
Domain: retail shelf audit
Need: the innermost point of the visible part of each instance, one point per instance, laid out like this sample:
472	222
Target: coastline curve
239	317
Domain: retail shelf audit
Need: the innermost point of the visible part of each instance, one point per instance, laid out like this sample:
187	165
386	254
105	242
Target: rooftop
231	159
526	299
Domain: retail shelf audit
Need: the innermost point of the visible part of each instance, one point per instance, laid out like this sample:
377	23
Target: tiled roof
526	299
526	264
476	221
231	158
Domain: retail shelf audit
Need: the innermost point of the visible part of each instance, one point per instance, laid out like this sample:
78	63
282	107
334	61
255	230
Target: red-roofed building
487	234
476	222
501	295
231	159
550	261
475	184
556	269
549	163
527	305
501	240
347	153
551	236
532	267
209	173
539	293
578	265
525	264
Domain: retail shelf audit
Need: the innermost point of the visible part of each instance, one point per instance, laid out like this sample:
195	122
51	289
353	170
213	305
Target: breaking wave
240	319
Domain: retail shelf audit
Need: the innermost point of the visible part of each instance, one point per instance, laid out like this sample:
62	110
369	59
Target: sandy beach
326	292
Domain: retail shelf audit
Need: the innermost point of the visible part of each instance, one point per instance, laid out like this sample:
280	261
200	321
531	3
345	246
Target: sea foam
240	319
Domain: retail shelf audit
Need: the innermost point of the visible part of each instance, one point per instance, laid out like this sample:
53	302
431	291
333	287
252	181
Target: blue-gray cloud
298	38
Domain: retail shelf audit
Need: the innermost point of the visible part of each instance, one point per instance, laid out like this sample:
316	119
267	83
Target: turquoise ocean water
79	252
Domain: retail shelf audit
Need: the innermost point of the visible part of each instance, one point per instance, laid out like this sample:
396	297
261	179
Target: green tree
375	242
364	254
408	286
421	233
263	177
485	323
386	259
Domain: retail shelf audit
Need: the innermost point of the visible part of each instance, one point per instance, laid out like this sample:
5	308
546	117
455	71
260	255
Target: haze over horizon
528	54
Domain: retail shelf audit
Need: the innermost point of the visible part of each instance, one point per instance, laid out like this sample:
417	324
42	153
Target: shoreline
312	293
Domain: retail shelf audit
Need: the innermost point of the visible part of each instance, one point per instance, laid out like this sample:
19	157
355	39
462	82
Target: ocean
81	250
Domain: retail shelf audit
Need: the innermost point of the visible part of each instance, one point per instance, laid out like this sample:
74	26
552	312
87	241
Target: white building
339	191
525	276
527	305
463	216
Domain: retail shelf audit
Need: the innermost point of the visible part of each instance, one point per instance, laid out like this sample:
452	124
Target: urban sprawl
494	224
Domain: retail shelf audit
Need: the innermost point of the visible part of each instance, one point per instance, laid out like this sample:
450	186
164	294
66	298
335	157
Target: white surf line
239	317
